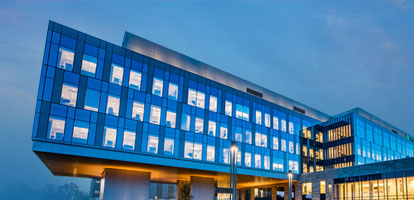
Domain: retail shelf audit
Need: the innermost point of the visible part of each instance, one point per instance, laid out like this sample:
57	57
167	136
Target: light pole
233	171
290	185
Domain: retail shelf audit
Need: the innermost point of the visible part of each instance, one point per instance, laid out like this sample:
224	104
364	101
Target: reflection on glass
258	117
152	146
89	65
200	99
198	151
248	137
238	136
223	131
157	87
212	128
228	108
291	129
65	58
213	103
257	161
117	73
226	155
169	146
92	100
155	115
80	132
275	123
135	79
129	140
138	111
267	119
69	94
173	91
275	143
170	119
198	127
247	159
112	106
266	162
56	128
188	149
210	153
109	137
185	122
283	125
283	145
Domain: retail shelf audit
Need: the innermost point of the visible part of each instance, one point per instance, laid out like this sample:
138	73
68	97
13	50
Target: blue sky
331	55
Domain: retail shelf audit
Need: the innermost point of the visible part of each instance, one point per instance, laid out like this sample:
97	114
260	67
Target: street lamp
290	185
233	170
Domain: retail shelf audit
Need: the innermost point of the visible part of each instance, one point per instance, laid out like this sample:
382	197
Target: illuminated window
228	108
267	119
135	79
152	146
226	155
173	91
261	139
200	99
238	136
80	132
248	159
242	112
109	137
129	140
169	146
275	123
112	106
223	131
283	145
198	126
117	73
185	122
188	149
196	98
210	153
56	128
307	188
291	129
157	87
138	111
266	162
212	128
283	125
65	58
257	161
198	151
213	103
238	158
258	117
69	94
275	143
170	119
89	65
322	187
248	137
291	148
155	115
92	100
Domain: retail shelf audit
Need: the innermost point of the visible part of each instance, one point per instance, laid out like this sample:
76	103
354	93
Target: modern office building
143	120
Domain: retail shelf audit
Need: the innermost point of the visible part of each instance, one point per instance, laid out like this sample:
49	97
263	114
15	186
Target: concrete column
202	188
123	184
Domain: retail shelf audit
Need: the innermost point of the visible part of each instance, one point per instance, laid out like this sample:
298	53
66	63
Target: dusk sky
330	55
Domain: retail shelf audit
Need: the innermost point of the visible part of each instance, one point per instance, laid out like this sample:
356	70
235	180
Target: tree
185	191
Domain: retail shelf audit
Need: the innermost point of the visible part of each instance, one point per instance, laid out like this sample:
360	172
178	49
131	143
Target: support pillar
124	184
202	188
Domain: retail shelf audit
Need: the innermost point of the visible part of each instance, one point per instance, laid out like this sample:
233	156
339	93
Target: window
307	188
248	159
173	91
198	151
169	146
283	143
291	148
266	162
69	94
283	125
291	129
188	149
293	165
210	153
92	100
257	161
155	115
170	119
185	122
212	128
56	128
129	140
89	65
109	137
242	112
138	111
196	98
80	132
213	103
135	79
238	158
112	107
248	137
117	72
275	143
261	139
223	131
65	58
238	136
152	146
198	127
275	123
267	119
226	155
228	108
258	117
157	87
322	187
